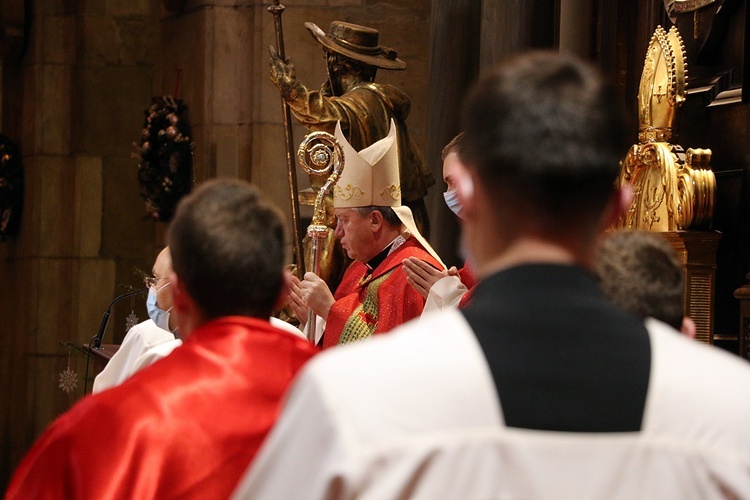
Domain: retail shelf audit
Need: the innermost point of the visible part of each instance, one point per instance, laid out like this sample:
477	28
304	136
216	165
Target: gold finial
664	75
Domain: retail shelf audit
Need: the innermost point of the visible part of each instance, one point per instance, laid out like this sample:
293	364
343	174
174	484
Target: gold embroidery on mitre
348	192
393	192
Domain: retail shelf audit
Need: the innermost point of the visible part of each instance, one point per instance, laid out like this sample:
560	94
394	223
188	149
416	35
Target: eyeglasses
151	281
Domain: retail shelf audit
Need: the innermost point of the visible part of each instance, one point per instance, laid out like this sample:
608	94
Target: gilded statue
364	108
673	189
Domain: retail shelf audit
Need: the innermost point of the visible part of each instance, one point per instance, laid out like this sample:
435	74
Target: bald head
161	271
162	264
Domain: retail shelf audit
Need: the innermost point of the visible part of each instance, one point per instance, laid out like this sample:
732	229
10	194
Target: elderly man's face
356	234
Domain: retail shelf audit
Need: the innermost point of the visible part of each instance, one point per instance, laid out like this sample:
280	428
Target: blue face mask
157	315
451	199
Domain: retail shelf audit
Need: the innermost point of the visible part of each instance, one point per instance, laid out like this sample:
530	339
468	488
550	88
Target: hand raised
283	74
422	276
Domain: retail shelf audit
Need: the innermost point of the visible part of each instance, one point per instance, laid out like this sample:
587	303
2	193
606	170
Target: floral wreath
165	173
11	187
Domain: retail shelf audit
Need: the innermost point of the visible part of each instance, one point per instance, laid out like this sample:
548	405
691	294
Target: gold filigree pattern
348	192
391	193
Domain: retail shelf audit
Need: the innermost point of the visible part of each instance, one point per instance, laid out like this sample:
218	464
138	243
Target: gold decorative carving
673	189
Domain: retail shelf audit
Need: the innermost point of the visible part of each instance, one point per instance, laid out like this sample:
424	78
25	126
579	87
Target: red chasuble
372	303
185	427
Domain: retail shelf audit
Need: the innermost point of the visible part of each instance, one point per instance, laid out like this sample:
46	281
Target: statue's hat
356	42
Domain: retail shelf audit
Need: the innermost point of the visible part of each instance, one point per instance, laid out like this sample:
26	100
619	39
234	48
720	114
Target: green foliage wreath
165	173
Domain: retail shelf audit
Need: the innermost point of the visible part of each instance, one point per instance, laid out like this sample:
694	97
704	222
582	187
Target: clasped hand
422	276
312	293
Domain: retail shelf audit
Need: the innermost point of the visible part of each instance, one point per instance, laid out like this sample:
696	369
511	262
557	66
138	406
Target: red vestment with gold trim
370	303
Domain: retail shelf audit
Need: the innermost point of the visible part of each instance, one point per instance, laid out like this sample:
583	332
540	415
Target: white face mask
157	315
451	199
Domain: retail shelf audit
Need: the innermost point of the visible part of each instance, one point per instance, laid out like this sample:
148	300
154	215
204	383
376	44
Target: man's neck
386	251
527	250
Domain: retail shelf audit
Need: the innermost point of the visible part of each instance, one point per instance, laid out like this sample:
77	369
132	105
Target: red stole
185	427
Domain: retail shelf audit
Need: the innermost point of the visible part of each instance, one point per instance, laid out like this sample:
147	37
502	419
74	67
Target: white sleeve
139	339
444	294
155	354
320	327
119	366
283	325
305	455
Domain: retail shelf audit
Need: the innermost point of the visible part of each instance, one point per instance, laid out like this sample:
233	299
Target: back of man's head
639	272
227	250
545	130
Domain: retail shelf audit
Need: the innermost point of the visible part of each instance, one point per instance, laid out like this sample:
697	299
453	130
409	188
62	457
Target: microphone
97	341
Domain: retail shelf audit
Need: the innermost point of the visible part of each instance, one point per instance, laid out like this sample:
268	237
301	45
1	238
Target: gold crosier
320	154
673	189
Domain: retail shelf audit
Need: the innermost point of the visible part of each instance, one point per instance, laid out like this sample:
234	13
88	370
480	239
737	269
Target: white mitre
371	178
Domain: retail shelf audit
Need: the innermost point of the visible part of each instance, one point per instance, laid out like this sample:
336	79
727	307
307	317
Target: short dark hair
389	215
549	129
227	249
455	146
639	271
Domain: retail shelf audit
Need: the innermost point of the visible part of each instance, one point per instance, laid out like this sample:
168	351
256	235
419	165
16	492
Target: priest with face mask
149	340
444	288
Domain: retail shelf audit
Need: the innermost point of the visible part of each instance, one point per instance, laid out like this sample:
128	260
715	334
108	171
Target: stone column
514	26
454	56
211	43
79	85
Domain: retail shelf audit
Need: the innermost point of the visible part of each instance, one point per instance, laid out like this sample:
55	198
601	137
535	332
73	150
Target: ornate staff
320	154
276	9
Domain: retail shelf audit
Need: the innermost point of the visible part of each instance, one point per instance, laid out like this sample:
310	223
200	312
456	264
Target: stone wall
78	92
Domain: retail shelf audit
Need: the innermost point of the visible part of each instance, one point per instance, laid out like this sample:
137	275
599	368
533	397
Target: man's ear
618	205
189	315
180	298
465	179
376	220
688	327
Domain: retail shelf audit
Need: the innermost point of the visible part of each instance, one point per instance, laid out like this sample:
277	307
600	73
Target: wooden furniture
743	295
102	355
697	252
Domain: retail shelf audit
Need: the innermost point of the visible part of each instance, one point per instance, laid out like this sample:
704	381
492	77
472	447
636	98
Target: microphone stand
96	341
